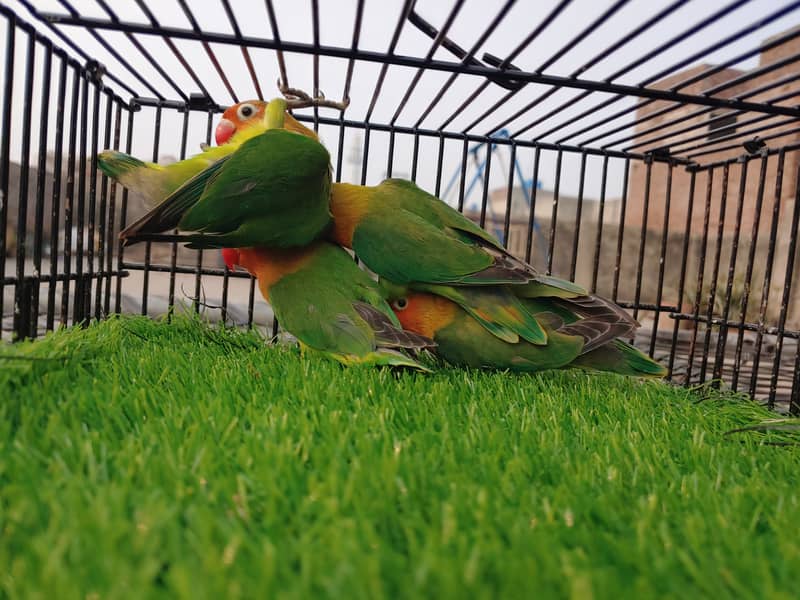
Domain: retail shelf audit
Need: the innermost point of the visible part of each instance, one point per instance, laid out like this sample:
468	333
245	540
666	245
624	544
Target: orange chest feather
426	314
349	204
270	265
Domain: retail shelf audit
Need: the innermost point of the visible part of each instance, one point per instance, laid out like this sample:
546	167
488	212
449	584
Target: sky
379	20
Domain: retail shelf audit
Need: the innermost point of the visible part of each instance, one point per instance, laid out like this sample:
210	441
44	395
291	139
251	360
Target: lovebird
329	304
223	194
572	341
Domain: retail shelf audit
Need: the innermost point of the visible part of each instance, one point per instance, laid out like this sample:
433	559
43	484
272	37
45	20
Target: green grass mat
142	459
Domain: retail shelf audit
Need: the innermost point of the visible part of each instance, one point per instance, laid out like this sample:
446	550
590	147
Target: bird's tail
148	179
620	357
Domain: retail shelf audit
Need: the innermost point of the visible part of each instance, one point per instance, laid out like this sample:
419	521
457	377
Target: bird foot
296	98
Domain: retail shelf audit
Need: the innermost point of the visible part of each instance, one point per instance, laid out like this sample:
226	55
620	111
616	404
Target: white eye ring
246	111
400	303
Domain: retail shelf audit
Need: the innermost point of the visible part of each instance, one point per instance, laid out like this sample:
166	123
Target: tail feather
620	357
380	357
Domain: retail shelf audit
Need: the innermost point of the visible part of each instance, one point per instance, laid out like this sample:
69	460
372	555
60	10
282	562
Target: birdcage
648	151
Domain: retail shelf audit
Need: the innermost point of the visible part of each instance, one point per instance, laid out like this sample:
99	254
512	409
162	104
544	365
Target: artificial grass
142	459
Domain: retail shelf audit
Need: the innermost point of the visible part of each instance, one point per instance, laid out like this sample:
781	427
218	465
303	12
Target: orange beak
224	131
231	257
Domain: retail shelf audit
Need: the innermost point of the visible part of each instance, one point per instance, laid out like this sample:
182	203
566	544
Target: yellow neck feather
349	204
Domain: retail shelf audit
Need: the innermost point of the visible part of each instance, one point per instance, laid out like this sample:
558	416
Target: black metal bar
687	232
509	194
780	134
701	270
199	264
276	35
598	244
78	308
554	215
38	220
578	215
55	201
73	277
736	135
22	299
439	165
251	301
365	157
486	174
463	179
245	55
69	203
173	258
794	400
354	46
623	209
147	245
730	324
101	234
712	293
408	61
767	284
123	217
390	155
5	146
787	289
414	158
92	210
749	269
726	305
315	57
112	208
662	259
642	238
532	207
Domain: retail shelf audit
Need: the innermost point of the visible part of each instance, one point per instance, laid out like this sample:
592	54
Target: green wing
465	342
403	247
620	357
495	307
274	190
334	307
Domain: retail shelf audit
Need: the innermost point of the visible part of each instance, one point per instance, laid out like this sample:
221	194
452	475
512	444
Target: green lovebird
572	341
155	182
329	304
418	243
273	189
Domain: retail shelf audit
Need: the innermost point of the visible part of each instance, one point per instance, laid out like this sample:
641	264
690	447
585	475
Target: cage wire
646	150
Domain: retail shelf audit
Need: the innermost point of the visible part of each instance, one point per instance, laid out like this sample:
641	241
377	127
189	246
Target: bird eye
246	111
400	303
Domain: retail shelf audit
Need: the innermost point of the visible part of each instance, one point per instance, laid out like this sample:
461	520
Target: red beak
224	131
231	257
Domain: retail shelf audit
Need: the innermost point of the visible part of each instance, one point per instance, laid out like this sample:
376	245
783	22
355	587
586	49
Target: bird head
252	113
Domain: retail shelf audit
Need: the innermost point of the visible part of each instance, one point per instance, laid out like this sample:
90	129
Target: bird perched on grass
572	341
329	304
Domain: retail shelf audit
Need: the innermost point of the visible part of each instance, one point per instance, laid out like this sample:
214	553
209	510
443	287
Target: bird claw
296	98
